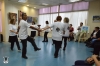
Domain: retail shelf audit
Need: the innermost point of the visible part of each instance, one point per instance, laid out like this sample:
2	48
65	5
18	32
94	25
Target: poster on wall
96	18
85	29
29	19
12	16
35	19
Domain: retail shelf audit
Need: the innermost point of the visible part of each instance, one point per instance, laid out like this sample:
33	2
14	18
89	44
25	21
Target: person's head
33	23
46	22
59	18
90	60
71	25
97	28
81	24
12	21
66	20
24	16
55	20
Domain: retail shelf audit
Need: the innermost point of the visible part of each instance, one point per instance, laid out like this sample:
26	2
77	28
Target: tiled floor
44	57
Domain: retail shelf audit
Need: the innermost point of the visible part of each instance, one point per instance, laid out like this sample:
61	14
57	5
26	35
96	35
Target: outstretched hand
94	56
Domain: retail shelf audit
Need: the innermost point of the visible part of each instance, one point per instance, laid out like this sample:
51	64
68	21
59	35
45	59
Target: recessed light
27	5
44	4
73	0
34	7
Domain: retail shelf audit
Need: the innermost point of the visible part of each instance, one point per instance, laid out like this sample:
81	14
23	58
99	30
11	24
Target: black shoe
55	56
46	41
19	49
43	41
11	49
63	49
37	49
25	57
76	41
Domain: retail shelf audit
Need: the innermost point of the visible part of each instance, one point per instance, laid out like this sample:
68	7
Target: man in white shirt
79	31
57	34
23	35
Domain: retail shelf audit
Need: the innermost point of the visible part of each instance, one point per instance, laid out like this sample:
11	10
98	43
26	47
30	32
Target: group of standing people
60	31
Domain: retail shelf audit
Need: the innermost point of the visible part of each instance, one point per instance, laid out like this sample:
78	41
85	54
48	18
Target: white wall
13	8
94	9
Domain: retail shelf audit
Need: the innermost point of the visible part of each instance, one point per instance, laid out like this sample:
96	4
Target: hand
16	32
94	56
40	30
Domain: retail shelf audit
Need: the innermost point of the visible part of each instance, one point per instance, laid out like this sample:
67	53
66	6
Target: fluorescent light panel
73	0
23	1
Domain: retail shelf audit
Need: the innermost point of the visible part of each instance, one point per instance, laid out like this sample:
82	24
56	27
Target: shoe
63	49
76	41
25	57
11	49
19	49
43	41
46	41
37	49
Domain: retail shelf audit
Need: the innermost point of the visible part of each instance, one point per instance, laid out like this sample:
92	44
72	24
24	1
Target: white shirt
57	31
47	30
66	30
80	28
35	27
14	28
94	34
23	34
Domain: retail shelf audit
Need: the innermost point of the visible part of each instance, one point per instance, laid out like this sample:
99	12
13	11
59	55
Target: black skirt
33	33
13	38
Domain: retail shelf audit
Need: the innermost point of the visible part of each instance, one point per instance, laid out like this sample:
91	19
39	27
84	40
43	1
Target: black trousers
81	63
57	47
45	36
65	41
24	44
17	43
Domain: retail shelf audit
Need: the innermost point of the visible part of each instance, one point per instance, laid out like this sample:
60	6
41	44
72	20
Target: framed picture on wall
96	18
12	16
35	19
29	19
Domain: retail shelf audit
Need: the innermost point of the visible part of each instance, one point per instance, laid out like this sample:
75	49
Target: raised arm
95	60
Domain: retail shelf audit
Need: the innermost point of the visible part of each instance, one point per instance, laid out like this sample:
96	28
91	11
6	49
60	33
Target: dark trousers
24	44
65	41
17	43
57	47
81	63
45	36
96	46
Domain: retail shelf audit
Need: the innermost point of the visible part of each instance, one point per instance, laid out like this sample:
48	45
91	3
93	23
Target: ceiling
38	3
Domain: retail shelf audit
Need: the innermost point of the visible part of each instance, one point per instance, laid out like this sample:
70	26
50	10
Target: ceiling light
34	7
23	1
27	5
73	0
44	4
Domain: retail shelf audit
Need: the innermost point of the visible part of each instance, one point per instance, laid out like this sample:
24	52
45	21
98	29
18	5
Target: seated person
71	29
94	36
88	62
79	32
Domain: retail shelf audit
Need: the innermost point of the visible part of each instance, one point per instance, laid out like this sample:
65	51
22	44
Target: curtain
74	18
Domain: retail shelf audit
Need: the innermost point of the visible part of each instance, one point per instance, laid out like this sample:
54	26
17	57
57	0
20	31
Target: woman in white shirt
13	34
66	32
46	32
57	34
33	32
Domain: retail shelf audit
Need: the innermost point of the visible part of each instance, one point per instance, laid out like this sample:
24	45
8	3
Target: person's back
57	32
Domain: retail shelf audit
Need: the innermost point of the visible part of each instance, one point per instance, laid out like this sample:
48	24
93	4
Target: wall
13	8
94	9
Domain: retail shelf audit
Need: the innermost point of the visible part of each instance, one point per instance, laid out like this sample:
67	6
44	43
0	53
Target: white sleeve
27	25
52	25
10	27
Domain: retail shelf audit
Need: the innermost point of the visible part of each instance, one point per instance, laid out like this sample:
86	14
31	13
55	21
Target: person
46	32
94	60
94	36
13	34
79	31
57	34
33	32
23	35
66	32
71	29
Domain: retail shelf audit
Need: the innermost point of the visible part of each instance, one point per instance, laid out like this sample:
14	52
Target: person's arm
95	60
32	27
47	27
78	28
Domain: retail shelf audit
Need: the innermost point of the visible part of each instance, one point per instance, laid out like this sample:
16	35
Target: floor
44	57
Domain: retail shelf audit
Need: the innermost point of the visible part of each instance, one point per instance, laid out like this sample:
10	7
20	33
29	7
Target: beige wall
94	9
13	8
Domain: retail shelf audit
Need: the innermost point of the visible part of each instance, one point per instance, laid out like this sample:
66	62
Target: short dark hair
23	15
71	24
66	19
47	22
81	22
97	28
11	21
59	18
33	22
